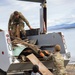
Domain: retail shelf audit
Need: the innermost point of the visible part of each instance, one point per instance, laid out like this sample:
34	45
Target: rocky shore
70	69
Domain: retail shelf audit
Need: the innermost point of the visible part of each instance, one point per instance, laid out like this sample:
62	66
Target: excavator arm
39	1
43	14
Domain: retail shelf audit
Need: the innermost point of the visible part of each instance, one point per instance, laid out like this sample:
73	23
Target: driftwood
32	46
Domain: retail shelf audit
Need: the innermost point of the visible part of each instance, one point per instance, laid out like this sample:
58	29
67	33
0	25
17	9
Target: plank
42	68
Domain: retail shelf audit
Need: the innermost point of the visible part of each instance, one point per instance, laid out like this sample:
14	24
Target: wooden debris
36	61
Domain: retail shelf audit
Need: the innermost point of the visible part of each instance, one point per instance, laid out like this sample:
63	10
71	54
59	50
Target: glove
46	52
41	54
45	58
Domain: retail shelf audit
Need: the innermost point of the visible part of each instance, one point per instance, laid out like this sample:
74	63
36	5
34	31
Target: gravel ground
70	69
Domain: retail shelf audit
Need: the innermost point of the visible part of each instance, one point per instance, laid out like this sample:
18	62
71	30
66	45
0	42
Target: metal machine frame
44	41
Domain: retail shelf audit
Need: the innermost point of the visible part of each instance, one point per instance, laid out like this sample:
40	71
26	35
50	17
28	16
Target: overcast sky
58	12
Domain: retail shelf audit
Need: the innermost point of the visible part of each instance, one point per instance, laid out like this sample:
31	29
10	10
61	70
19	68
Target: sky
58	12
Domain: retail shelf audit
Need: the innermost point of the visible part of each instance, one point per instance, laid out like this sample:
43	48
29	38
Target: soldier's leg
22	28
14	30
65	73
18	31
23	32
55	73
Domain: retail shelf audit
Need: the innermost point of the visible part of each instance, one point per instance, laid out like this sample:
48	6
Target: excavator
17	57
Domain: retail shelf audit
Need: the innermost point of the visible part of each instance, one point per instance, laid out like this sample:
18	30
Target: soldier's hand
41	54
46	52
45	58
30	28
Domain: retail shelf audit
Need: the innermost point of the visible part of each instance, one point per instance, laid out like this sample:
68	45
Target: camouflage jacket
58	61
20	19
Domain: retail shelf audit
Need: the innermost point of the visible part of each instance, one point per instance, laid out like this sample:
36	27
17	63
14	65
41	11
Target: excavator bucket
39	1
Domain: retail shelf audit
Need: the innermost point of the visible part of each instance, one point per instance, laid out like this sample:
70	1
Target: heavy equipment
10	62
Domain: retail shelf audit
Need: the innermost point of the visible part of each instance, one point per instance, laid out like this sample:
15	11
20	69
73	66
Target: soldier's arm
25	20
9	23
50	57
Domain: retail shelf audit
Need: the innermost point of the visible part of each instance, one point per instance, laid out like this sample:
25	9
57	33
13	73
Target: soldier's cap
57	47
15	12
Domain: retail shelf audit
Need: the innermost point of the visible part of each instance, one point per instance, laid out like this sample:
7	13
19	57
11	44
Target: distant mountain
62	26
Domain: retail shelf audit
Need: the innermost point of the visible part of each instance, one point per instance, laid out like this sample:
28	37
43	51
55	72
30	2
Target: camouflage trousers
16	28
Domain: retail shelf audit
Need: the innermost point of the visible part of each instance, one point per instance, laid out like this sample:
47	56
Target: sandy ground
70	69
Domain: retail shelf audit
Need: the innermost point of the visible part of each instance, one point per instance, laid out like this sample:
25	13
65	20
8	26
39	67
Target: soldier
35	70
58	61
16	18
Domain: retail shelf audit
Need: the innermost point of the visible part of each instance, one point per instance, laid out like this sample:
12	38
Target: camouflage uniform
58	61
13	22
58	64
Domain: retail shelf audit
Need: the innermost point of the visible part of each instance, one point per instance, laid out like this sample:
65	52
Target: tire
2	72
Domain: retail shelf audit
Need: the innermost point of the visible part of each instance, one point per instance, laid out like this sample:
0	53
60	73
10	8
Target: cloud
61	11
58	11
6	2
28	9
